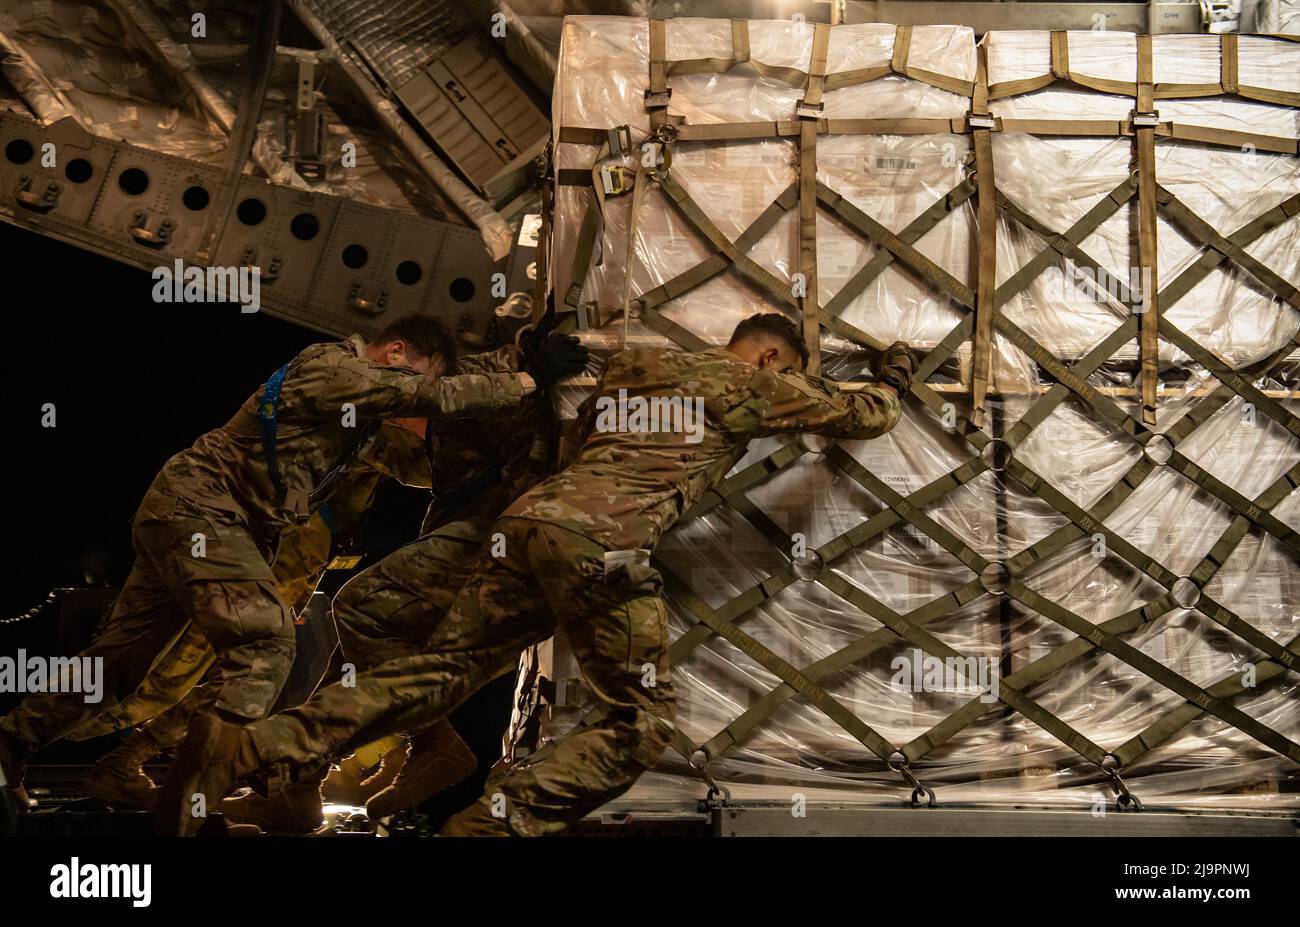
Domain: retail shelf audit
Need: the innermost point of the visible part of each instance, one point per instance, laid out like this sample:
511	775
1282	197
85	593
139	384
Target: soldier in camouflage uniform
577	554
209	524
390	610
167	699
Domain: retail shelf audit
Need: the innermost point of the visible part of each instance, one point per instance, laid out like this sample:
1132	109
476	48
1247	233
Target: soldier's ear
770	356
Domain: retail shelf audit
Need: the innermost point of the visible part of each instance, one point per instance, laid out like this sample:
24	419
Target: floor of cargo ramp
852	819
61	811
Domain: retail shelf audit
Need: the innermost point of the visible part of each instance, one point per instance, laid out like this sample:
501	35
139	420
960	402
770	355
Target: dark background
133	382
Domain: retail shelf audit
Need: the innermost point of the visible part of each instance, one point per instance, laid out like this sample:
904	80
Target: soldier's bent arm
502	360
786	402
399	453
376	391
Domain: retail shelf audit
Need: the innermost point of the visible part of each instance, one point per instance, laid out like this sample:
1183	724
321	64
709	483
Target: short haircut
775	325
424	335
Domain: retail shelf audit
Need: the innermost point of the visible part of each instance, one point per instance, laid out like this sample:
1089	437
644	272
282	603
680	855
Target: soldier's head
417	341
769	339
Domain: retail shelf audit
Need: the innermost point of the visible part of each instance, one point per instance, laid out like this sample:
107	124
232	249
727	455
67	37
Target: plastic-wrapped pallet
757	736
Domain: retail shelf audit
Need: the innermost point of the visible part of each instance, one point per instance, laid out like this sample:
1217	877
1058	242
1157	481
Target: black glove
559	356
897	364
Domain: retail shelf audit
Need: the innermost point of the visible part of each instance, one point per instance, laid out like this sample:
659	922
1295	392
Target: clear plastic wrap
1001	756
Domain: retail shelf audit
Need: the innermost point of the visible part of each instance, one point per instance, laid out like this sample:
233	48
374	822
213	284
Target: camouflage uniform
218	499
479	465
166	699
577	550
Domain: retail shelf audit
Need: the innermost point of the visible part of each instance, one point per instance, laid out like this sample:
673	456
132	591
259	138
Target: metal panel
288	262
80	165
311	284
476	113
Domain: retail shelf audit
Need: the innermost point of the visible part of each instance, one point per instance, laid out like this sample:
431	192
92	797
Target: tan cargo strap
1200	230
1212	258
732	131
1228	62
1228	79
588	234
795	77
913	233
1080	127
1228	138
1064	244
634	214
661	324
582	252
712	266
898	64
788	674
891	619
739	55
987	241
1145	156
1154	669
925	268
696	216
809	110
659	93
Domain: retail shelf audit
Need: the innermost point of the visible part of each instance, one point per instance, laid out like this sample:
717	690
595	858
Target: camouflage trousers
391	609
613	613
221	582
165	700
372	615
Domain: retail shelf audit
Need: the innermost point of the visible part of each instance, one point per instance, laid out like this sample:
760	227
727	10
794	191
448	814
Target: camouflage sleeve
502	360
399	453
781	403
376	391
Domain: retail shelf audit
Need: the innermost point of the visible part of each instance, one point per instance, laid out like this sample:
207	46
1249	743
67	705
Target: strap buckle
573	297
662	160
980	121
620	139
658	99
1147	120
616	179
809	110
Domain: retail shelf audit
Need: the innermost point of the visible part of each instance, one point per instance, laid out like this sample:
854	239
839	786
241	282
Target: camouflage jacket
225	475
632	480
484	463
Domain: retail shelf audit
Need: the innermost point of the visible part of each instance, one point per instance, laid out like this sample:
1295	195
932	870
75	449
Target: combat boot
213	759
12	769
119	779
295	810
436	759
349	784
